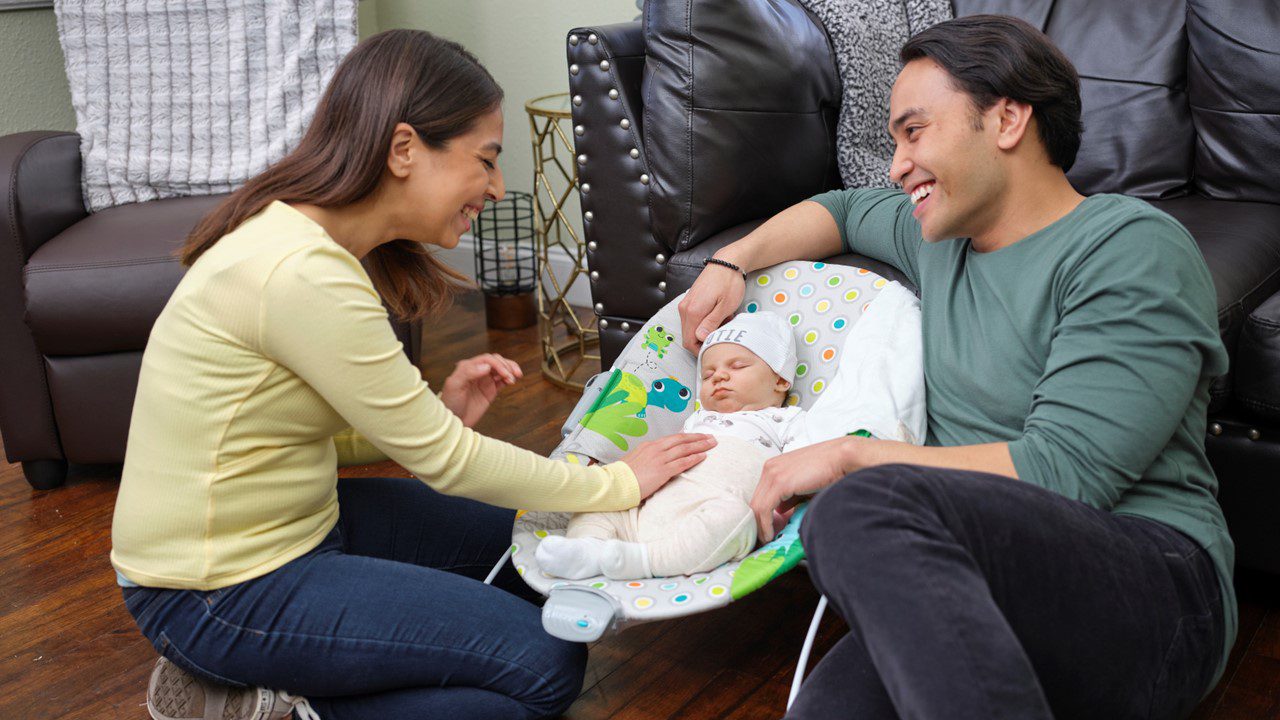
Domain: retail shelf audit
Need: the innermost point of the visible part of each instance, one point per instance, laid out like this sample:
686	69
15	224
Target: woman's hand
657	461
714	297
791	477
474	384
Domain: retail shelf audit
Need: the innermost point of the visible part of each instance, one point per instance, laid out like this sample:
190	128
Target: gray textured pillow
866	35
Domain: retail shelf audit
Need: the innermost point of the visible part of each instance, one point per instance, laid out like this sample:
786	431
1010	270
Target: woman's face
455	182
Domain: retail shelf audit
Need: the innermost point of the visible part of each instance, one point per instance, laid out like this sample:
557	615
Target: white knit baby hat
763	333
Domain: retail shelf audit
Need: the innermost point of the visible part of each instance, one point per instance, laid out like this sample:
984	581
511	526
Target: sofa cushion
1132	60
740	104
1241	245
1235	97
99	286
1258	361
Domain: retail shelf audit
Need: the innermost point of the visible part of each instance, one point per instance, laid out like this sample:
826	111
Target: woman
242	558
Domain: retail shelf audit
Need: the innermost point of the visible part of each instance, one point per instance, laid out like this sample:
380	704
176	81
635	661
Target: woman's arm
321	319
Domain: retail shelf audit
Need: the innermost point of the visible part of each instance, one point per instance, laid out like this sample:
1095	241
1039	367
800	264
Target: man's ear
400	155
1013	120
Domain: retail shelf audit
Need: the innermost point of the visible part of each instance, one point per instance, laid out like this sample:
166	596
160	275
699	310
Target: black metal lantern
507	261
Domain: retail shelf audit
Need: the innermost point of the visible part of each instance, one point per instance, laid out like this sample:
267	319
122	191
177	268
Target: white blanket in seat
879	385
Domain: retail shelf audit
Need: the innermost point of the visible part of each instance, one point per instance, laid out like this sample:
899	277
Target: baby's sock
569	558
624	560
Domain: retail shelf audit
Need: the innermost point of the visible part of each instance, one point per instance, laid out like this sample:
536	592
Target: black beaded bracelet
725	263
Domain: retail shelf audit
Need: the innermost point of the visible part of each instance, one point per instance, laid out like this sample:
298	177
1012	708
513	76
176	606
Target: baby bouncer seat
649	392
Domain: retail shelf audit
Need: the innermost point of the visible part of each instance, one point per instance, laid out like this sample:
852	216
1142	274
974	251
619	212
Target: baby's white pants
698	521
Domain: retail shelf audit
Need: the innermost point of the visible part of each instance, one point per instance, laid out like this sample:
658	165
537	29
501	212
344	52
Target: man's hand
790	477
474	384
714	298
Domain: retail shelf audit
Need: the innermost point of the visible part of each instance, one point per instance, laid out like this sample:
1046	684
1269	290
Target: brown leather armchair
79	293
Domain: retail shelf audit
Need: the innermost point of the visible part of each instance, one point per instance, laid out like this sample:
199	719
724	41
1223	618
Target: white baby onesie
701	519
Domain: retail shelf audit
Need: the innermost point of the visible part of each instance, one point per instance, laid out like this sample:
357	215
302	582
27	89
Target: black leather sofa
706	117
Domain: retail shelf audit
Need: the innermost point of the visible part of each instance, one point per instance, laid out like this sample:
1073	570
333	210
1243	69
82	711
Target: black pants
975	596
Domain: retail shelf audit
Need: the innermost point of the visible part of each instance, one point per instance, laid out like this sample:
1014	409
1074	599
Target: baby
701	519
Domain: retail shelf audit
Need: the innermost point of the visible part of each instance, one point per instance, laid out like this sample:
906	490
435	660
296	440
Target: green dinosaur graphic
614	412
775	558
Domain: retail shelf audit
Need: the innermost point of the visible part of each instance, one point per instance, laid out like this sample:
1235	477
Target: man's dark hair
996	56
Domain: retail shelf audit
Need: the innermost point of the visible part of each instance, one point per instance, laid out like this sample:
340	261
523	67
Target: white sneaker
175	694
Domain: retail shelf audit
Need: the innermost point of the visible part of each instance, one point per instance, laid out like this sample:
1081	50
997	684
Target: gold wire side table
570	340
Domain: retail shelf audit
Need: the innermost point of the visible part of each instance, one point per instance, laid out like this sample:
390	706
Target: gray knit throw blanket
866	35
194	97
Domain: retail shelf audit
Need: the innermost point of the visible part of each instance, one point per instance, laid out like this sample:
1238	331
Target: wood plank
1254	690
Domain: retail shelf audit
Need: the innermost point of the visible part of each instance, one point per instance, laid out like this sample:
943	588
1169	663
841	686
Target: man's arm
802	231
874	222
795	475
1135	346
992	458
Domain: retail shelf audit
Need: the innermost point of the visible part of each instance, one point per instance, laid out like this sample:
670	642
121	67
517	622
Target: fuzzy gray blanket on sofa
866	35
194	98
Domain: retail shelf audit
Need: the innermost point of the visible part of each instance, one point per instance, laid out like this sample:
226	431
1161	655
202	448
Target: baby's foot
569	558
624	560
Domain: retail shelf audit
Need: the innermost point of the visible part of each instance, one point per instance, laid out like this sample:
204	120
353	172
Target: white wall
522	43
34	94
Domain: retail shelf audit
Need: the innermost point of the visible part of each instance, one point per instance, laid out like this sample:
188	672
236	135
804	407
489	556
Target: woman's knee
561	667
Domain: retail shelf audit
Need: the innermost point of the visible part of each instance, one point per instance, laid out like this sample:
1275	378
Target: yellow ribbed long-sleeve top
272	364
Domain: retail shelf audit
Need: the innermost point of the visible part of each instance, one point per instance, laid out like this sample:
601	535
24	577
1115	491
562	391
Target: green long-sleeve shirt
1087	346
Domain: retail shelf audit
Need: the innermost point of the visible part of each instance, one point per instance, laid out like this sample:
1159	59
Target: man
1056	549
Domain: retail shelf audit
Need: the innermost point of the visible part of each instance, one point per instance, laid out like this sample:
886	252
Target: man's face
942	159
734	378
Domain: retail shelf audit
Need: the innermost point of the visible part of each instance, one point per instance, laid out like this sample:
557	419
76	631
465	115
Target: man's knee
868	505
870	488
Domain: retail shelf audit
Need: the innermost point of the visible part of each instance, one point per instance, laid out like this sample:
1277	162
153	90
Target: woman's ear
400	154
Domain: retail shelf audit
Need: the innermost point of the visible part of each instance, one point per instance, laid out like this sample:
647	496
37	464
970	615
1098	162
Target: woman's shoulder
281	238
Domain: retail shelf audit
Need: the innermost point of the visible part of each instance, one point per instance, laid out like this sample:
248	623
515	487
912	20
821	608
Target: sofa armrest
1257	371
606	66
39	189
39	198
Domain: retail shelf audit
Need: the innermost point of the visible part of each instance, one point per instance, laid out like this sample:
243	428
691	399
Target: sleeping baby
701	519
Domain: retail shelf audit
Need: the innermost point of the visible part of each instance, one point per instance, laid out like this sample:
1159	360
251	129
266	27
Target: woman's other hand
657	461
714	297
474	384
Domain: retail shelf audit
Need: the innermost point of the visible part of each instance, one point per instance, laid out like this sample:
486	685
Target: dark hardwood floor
69	650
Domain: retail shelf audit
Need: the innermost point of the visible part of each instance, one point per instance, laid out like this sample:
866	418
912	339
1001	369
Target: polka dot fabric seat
821	302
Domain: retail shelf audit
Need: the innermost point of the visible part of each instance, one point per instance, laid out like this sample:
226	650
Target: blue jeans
975	596
388	617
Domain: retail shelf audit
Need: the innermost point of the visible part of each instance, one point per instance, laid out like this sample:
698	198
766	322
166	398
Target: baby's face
734	378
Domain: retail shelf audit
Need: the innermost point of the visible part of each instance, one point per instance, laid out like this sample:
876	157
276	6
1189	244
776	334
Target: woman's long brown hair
408	76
